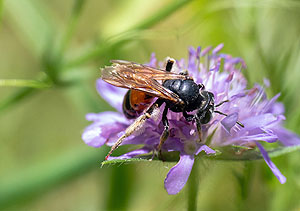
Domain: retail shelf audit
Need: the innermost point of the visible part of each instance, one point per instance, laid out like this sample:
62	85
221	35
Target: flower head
222	75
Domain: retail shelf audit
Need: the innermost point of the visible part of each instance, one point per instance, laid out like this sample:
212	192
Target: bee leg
169	64
237	122
221	103
136	124
199	129
187	116
164	136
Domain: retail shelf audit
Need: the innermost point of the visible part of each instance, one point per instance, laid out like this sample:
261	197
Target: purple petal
230	77
144	136
153	61
131	154
268	137
96	134
235	60
179	174
273	107
106	124
205	51
106	117
205	148
172	144
274	169
112	94
218	48
277	109
198	52
267	82
91	136
286	137
259	121
192	60
229	121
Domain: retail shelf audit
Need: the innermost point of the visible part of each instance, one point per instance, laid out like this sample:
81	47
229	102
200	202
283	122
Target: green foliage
1	10
50	54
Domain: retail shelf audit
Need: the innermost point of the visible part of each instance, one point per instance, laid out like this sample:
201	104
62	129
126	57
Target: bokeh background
55	48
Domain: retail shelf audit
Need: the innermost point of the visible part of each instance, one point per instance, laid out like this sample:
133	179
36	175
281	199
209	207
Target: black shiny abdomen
188	91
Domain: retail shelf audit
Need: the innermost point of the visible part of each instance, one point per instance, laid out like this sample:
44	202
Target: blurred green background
54	50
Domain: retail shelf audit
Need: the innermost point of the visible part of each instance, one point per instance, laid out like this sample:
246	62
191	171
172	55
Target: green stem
120	187
16	97
73	22
193	184
23	83
29	87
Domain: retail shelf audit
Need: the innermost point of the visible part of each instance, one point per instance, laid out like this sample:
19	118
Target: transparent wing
140	77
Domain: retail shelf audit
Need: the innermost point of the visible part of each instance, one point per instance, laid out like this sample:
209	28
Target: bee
178	91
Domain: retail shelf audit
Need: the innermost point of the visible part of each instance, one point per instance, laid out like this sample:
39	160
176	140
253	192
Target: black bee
179	92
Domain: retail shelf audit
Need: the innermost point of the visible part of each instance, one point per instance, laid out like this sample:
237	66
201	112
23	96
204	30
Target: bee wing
140	77
155	73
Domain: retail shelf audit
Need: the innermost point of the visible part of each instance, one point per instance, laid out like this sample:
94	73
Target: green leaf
239	153
283	150
120	161
167	157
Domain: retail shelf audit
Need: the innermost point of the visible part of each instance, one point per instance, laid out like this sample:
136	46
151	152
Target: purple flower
221	74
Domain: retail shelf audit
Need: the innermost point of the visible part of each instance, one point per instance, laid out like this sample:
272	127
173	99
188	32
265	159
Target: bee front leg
164	136
188	117
221	103
135	125
199	128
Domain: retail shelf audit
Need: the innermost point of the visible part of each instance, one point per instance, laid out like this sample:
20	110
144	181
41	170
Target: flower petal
205	148
274	169
179	174
131	154
91	136
106	117
268	137
229	121
112	94
97	134
286	137
258	121
106	125
218	48
192	67
153	61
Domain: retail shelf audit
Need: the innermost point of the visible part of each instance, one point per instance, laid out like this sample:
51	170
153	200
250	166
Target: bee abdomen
135	102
